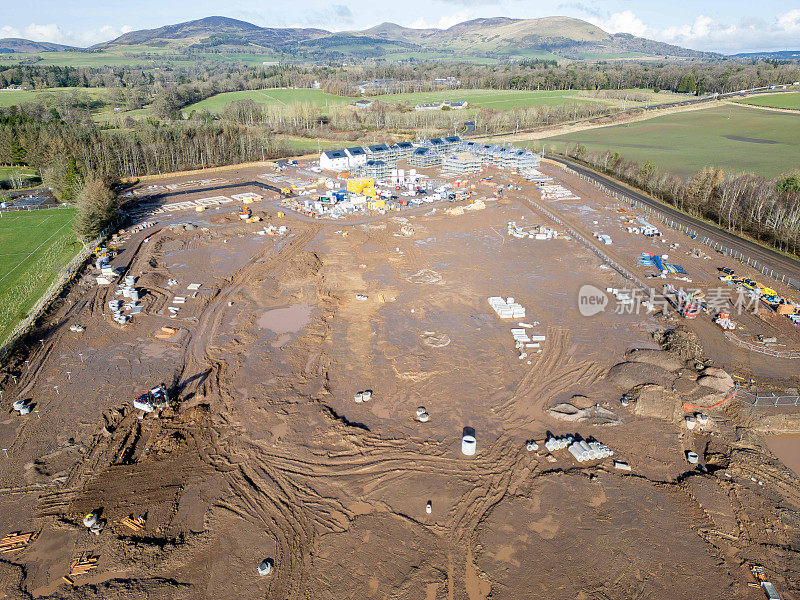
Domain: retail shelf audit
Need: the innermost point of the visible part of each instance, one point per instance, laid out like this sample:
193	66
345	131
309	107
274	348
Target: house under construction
461	162
424	157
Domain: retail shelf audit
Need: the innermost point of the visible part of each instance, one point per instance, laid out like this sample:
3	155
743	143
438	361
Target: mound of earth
658	358
681	342
655	401
629	375
595	415
716	379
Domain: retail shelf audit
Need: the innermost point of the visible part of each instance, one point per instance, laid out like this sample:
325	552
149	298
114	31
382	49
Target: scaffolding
424	157
461	162
375	169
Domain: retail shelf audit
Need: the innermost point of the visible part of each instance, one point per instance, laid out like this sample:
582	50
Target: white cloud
705	33
445	22
53	33
623	22
790	21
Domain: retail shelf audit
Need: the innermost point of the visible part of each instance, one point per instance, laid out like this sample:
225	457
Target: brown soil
265	454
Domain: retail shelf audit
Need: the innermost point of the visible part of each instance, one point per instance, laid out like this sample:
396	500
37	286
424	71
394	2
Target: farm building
428	106
362	103
334	160
357	155
424	157
461	162
455	104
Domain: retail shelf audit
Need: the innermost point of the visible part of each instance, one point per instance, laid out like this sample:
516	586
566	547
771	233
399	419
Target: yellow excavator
109	251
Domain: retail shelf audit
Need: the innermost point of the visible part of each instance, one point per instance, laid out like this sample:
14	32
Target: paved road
771	259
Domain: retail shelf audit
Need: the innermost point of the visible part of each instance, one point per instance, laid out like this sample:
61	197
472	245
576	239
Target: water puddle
285	320
787	449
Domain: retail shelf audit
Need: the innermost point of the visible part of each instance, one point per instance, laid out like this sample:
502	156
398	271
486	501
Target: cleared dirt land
731	137
265	454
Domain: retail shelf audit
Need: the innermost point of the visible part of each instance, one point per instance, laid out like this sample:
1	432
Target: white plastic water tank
468	444
265	568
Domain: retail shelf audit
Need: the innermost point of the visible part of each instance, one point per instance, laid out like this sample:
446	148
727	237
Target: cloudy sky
723	26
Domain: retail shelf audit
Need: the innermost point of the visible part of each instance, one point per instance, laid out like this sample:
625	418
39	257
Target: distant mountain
12	45
778	55
500	37
216	31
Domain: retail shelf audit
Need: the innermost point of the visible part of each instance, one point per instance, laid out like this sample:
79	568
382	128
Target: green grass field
730	137
28	175
496	99
34	247
75	59
12	97
782	100
216	103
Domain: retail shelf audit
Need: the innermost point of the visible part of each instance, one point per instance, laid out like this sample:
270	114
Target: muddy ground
265	454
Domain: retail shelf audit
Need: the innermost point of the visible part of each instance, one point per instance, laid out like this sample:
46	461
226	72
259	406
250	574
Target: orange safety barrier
687	407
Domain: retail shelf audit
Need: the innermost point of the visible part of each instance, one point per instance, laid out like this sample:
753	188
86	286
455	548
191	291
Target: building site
437	370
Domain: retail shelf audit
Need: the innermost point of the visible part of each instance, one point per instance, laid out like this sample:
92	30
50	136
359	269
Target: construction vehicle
107	251
286	191
723	320
245	213
154	399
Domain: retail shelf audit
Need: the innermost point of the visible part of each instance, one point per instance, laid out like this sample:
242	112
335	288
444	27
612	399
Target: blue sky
722	26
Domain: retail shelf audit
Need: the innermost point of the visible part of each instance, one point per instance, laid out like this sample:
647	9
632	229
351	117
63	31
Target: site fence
65	276
30	208
794	354
602	255
689	231
770	399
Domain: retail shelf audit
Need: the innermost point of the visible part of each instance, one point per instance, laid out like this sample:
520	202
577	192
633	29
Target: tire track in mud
197	354
294	496
552	371
263	493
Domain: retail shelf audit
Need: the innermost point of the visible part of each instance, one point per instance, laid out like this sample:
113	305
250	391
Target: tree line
767	210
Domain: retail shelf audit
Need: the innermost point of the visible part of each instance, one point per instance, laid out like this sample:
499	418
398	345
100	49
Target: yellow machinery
357	185
109	251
